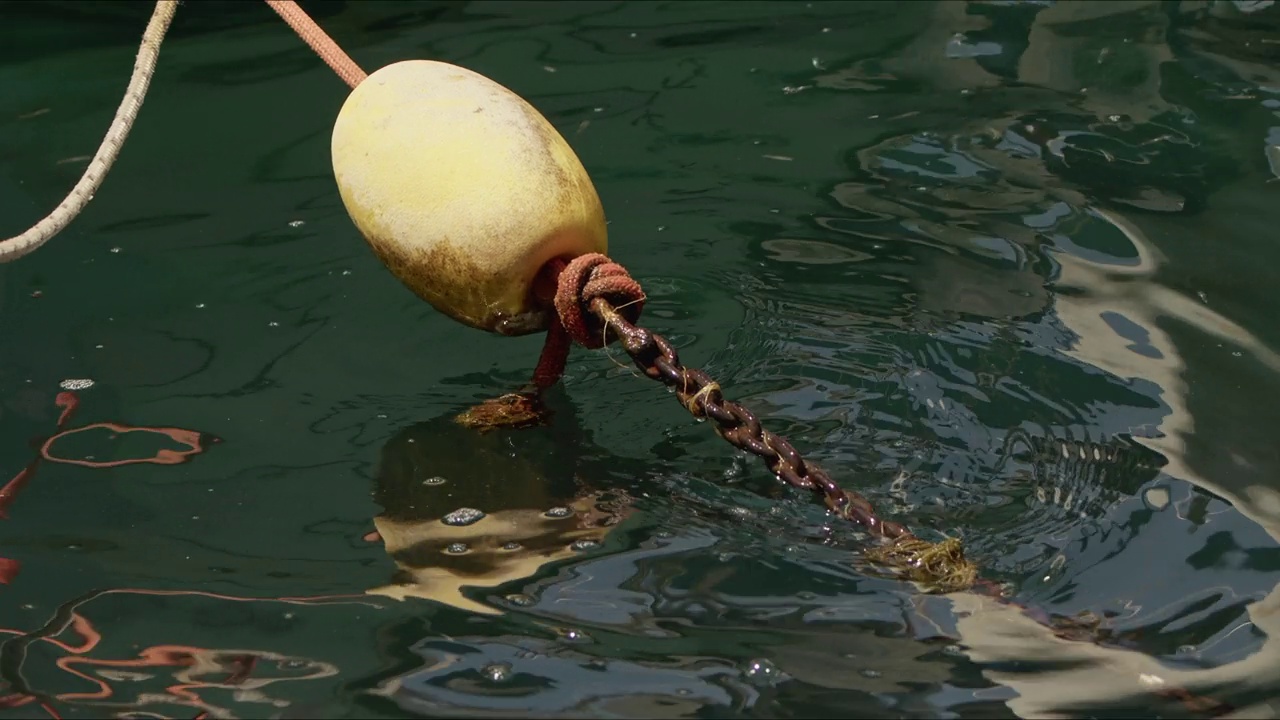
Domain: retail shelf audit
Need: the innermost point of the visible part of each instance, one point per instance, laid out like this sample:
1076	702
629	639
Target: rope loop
588	278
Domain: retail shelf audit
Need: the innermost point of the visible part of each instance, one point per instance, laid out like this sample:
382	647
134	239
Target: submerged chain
701	396
597	302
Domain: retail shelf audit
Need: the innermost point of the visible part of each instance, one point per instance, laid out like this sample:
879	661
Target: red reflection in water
69	402
195	668
8	570
190	438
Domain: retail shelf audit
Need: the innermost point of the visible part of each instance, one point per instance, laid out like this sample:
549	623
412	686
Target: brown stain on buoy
463	190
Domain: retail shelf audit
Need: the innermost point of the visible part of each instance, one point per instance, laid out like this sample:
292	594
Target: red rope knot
582	281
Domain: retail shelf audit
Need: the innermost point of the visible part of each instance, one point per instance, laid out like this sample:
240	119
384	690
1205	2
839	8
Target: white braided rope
80	195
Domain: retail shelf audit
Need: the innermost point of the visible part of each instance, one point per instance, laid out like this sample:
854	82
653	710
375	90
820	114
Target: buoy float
463	190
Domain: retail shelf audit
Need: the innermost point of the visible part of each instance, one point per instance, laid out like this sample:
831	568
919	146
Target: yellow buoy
463	190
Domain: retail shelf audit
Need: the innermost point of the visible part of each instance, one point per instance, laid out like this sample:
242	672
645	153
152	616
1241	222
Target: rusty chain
701	396
597	302
939	565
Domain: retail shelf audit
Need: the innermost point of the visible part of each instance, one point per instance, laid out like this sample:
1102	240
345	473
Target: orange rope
325	47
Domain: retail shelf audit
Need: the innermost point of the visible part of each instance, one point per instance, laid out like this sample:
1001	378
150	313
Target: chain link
941	565
701	396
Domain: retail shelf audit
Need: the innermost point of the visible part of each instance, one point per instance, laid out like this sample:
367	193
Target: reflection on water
1003	267
108	656
464	510
524	677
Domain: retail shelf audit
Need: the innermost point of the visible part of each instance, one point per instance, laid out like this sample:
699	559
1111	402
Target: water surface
1000	266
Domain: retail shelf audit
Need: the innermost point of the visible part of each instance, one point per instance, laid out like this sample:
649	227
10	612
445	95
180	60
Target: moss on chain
942	566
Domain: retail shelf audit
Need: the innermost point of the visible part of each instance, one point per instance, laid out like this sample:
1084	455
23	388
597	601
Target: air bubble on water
199	306
817	64
1186	649
806	595
954	650
435	481
736	469
740	512
497	672
558	512
581	545
273	323
1055	565
76	384
99	347
115	249
761	672
457	548
289	616
869	673
511	546
521	600
1156	498
463	517
296	223
574	636
346	272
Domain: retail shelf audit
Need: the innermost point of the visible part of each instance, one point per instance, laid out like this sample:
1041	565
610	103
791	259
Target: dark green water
899	231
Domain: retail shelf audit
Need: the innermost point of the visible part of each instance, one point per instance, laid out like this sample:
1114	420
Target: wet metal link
941	566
